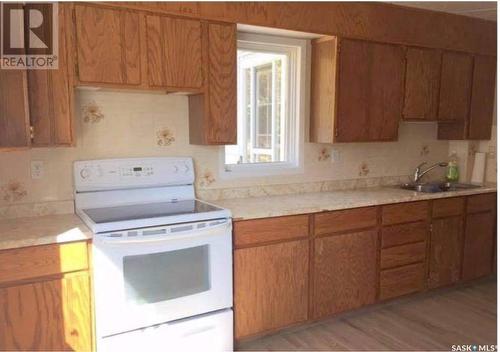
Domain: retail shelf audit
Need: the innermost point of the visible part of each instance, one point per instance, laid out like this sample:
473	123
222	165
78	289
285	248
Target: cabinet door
14	116
345	274
174	52
108	45
456	82
421	84
370	91
270	286
479	243
50	96
50	315
483	97
323	88
222	83
445	251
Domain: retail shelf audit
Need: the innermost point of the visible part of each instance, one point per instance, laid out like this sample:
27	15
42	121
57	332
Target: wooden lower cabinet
345	272
47	315
445	255
270	287
293	269
478	245
403	251
45	299
402	280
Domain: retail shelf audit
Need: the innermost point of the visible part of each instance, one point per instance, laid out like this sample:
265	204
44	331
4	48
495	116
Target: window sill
259	169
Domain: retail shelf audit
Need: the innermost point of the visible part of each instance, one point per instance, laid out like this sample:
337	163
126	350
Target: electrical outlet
37	169
335	155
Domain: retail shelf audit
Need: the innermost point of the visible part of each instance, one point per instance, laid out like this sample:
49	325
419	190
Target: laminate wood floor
426	322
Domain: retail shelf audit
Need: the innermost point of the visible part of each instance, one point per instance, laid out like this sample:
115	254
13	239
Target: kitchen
164	92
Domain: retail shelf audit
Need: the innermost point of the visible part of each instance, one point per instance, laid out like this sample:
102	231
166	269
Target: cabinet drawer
401	281
250	232
447	207
406	233
32	262
404	212
342	220
481	202
402	255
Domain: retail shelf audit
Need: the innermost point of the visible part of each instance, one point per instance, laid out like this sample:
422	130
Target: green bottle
452	173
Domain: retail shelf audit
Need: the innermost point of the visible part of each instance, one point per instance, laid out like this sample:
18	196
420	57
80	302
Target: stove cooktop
131	216
148	211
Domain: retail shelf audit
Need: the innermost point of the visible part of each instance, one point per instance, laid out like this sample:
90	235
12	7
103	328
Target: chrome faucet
418	174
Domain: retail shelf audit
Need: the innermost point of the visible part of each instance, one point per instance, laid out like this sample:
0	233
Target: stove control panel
93	175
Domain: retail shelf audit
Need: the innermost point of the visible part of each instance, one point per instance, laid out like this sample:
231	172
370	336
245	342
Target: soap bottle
452	174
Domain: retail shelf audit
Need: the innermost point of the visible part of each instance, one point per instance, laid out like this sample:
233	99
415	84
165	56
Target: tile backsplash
129	124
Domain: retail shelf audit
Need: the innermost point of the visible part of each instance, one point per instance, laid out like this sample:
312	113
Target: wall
126	124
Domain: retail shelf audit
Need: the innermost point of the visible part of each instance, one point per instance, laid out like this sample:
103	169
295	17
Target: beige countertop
292	204
38	230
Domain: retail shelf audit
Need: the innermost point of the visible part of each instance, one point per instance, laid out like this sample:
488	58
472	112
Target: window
271	76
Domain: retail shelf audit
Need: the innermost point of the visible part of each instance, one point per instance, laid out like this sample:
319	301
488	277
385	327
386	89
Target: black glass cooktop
148	211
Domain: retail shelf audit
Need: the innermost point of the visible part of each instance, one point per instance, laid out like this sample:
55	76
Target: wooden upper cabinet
324	58
370	91
456	82
14	115
108	45
50	95
222	86
364	104
212	115
174	52
467	96
421	96
483	97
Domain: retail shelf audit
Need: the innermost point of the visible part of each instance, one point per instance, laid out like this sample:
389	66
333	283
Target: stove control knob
176	169
85	173
186	168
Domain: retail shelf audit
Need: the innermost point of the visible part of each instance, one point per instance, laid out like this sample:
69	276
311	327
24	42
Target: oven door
146	280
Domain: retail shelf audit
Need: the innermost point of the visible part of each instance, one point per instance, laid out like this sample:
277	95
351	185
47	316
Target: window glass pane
157	277
262	125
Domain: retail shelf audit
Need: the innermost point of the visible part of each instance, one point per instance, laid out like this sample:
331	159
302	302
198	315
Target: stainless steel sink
434	187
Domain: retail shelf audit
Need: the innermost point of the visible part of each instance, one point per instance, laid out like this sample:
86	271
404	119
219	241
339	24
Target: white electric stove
162	260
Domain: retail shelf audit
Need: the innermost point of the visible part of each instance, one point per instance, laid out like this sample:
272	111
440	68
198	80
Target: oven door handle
193	233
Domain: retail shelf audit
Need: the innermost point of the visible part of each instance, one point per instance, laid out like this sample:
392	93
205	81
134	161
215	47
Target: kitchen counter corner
40	230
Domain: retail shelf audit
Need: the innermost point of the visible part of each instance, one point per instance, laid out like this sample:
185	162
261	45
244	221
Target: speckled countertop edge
42	230
49	229
306	203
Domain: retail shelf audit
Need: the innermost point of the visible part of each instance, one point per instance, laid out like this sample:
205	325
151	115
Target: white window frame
298	51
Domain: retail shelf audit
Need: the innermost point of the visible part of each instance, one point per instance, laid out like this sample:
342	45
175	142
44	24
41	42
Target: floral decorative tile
207	178
364	170
164	137
425	150
13	191
324	154
92	112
